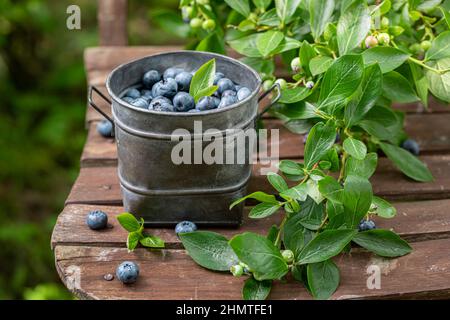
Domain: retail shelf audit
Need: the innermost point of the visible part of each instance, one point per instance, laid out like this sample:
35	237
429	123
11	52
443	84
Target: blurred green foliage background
42	109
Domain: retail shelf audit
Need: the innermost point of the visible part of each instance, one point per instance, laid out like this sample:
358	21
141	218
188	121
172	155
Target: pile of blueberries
128	271
170	92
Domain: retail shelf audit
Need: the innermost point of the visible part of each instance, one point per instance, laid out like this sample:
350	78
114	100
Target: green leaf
290	167
326	245
384	243
312	189
286	8
256	290
420	83
257	195
357	199
262	4
407	163
269	18
312	214
366	96
323	279
381	122
341	80
287	44
440	47
440	83
203	79
320	139
246	45
397	88
152	242
384	208
292	95
446	15
260	254
320	64
299	192
209	249
170	22
272	233
299	126
295	235
128	222
362	168
320	12
263	210
268	41
213	42
331	189
357	149
388	58
133	239
205	92
352	28
277	182
306	54
241	6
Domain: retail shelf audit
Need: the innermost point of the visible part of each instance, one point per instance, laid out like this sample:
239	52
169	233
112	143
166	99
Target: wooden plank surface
99	185
171	274
415	221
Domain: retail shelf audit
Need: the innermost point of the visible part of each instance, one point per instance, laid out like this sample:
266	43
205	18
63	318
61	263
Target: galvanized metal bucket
155	188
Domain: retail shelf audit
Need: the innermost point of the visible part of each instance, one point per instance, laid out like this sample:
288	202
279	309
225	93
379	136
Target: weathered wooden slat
171	274
416	220
431	131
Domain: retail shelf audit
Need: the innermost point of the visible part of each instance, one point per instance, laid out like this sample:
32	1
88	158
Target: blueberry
127	99
185	226
150	78
97	220
309	85
127	272
161	104
216	101
183	101
227	101
133	93
229	93
206	103
166	88
105	128
218	76
243	93
225	84
140	103
237	87
194	110
412	146
171	73
146	93
183	80
365	225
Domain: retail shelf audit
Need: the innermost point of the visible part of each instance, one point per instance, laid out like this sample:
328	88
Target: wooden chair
83	257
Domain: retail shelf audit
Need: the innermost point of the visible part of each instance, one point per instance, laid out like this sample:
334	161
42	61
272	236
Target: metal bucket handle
97	108
275	100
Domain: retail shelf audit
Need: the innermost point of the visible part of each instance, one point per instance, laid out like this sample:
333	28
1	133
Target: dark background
42	109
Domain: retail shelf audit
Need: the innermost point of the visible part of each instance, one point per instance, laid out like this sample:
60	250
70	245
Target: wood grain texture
112	22
171	274
416	220
99	185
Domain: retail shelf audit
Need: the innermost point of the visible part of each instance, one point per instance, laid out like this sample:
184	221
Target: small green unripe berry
384	22
237	270
396	30
415	48
309	84
383	38
209	24
186	12
371	42
252	16
202	2
296	65
425	45
282	83
208	7
196	23
288	256
267	84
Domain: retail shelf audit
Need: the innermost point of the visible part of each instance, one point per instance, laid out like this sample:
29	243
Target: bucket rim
115	97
